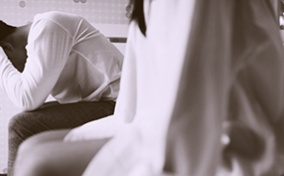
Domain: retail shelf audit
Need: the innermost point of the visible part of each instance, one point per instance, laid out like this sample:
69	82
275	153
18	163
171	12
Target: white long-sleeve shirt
67	58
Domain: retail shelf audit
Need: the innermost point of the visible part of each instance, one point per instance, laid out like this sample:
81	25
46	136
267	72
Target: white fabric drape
206	70
150	77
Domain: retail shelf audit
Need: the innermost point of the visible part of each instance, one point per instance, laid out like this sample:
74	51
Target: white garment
67	58
150	77
196	78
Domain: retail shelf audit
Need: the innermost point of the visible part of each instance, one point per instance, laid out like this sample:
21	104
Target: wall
109	15
18	12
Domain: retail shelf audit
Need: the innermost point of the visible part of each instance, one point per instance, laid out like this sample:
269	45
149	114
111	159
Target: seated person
62	55
203	71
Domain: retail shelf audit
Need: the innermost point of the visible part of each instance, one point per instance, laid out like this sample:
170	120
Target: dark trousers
52	116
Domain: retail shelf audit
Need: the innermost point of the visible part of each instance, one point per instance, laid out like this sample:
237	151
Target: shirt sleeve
48	48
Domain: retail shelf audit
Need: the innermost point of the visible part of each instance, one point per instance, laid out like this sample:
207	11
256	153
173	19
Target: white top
202	65
67	58
150	77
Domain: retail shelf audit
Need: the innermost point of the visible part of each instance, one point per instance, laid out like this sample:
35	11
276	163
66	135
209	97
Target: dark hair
137	14
5	30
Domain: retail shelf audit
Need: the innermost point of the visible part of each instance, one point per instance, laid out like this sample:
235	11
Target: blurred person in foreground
201	94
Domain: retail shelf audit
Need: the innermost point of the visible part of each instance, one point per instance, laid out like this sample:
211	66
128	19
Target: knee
17	123
32	162
21	126
18	131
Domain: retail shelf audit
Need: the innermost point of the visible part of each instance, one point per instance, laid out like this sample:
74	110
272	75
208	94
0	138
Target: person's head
13	40
137	14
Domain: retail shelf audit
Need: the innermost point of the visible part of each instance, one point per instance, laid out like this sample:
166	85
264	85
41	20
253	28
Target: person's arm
48	49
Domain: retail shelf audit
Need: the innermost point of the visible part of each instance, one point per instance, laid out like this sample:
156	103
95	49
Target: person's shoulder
54	20
55	16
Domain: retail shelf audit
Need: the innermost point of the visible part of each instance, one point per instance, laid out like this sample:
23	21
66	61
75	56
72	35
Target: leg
52	116
46	154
